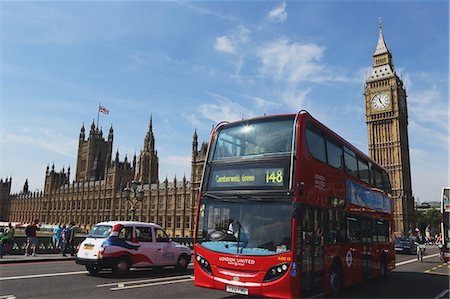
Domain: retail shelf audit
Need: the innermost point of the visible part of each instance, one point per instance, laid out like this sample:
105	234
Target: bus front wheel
336	279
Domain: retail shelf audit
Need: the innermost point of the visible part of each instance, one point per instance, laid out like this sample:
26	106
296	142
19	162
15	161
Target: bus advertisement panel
278	195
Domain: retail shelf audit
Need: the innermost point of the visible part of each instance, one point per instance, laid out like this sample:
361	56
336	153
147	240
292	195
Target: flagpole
98	113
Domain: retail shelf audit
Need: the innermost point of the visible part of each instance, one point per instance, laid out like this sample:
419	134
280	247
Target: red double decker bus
289	209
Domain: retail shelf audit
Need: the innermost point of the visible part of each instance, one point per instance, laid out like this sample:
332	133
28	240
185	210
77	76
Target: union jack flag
103	109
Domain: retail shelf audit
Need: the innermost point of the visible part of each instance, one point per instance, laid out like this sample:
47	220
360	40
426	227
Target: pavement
8	259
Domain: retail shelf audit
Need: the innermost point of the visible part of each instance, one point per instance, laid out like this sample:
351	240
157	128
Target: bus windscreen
253	138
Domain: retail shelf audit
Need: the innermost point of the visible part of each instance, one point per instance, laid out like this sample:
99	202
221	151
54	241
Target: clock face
380	101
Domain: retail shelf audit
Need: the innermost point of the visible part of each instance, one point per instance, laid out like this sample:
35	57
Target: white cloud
58	144
224	44
296	62
224	109
177	160
231	42
192	119
278	14
263	104
428	107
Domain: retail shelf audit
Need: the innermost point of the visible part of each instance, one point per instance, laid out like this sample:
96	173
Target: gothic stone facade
96	193
387	125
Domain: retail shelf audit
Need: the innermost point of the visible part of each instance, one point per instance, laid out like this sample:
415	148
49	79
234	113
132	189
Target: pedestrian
56	238
32	240
428	233
64	238
71	240
8	239
2	230
440	246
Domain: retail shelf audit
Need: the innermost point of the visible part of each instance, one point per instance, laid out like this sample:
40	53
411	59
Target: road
65	279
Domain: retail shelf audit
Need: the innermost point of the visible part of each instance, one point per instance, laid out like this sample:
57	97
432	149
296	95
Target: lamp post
133	195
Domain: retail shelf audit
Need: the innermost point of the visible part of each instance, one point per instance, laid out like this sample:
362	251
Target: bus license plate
237	290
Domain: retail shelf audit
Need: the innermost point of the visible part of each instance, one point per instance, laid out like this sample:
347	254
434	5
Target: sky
190	65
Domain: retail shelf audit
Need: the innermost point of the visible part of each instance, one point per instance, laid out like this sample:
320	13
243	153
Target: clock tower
387	125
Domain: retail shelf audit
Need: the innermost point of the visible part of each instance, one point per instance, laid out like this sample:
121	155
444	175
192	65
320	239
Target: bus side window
316	144
366	231
351	165
353	229
363	167
336	229
382	231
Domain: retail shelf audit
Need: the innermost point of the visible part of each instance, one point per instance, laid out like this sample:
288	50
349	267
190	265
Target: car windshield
243	226
260	137
100	231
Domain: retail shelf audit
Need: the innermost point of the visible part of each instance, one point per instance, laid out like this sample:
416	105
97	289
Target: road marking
442	294
42	275
7	297
123	283
415	260
152	284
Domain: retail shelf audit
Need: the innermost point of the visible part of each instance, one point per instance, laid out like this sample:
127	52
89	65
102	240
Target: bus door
311	250
367	247
353	260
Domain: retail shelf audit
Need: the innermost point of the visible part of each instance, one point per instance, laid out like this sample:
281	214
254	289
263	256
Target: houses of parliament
96	193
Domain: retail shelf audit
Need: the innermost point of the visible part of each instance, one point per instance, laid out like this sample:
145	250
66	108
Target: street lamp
133	195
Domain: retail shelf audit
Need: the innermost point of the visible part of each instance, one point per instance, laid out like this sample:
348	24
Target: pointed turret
382	67
92	131
147	170
194	143
82	130
111	134
381	44
25	187
117	156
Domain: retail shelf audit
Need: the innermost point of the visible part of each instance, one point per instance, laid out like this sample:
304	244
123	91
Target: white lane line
173	278
151	284
42	275
7	297
415	260
442	294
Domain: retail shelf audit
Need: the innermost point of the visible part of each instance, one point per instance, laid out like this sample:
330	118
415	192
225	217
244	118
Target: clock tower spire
387	126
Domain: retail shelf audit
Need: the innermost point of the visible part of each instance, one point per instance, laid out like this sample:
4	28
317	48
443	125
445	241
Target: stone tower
147	171
387	125
94	154
5	190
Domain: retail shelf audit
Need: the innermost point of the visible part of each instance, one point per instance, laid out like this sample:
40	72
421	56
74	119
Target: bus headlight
276	272
204	264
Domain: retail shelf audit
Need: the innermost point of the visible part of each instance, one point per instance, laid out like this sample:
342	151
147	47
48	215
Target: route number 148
274	176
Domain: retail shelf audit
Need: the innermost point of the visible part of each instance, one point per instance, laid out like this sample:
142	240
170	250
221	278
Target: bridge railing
45	244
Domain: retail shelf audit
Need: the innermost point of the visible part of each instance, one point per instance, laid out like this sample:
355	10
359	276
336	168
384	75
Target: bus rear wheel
336	280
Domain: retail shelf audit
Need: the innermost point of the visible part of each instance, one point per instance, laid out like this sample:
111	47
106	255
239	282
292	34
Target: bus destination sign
247	177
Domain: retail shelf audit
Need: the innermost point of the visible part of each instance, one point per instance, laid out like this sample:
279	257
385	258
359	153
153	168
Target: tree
429	216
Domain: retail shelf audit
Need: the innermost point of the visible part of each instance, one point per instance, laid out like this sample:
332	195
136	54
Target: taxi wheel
93	270
122	266
183	262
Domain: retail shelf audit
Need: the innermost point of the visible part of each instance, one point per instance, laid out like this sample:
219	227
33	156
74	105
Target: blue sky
194	64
